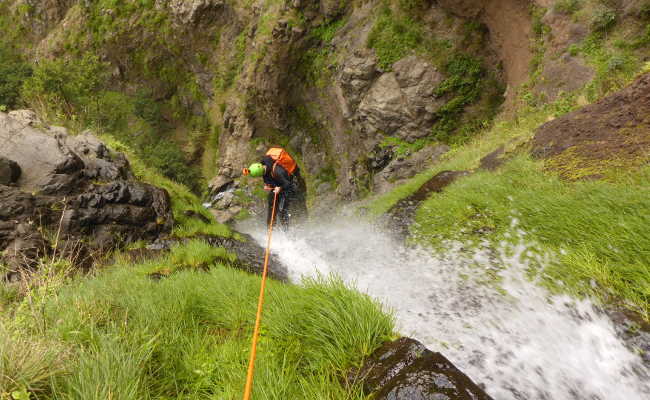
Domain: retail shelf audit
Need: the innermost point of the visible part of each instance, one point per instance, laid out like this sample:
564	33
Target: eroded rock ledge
69	195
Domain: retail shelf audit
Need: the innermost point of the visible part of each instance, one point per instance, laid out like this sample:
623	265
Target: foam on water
522	344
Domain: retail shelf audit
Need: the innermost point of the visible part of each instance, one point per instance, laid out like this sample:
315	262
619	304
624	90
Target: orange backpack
281	157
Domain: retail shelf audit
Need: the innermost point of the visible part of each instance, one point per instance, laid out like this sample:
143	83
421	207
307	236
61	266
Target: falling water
515	338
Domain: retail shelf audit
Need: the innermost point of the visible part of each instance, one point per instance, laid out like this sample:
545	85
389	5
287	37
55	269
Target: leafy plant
464	83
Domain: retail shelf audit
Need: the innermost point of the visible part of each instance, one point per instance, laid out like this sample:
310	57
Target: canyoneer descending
281	175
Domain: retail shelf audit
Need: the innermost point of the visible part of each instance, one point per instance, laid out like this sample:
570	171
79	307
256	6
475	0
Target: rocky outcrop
193	11
401	102
72	193
53	161
406	166
614	131
406	370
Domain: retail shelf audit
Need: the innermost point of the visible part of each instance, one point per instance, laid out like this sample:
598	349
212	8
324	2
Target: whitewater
514	337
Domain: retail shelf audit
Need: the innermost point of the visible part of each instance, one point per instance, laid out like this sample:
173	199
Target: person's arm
282	177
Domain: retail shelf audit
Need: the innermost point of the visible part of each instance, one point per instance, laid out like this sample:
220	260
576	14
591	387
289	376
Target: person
281	176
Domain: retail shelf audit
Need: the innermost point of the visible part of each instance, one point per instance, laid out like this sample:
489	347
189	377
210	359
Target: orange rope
258	319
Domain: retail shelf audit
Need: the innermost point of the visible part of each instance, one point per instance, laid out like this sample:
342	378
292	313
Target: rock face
401	102
190	12
406	370
65	189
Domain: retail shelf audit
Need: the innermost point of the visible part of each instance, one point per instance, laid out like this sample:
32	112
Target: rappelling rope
260	303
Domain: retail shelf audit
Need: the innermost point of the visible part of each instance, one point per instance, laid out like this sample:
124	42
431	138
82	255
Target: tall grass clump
188	335
29	363
597	228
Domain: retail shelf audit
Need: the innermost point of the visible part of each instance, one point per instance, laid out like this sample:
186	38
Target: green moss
402	148
464	83
393	37
615	67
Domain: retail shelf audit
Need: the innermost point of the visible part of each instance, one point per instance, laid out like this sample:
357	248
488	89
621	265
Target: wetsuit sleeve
282	177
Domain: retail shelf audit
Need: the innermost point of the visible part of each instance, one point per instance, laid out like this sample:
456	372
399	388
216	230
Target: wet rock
400	216
9	171
219	183
406	167
401	102
493	160
406	370
227	215
250	255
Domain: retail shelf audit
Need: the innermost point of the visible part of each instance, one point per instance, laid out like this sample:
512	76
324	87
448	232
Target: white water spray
522	344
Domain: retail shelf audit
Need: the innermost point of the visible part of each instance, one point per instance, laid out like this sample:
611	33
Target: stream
516	339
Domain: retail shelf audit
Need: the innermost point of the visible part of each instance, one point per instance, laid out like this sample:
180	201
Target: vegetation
567	6
186	334
75	92
393	37
598	228
13	72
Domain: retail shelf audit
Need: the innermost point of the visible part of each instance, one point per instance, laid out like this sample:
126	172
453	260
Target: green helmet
256	169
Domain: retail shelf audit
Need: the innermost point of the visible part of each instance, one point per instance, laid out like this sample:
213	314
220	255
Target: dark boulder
9	171
250	255
406	370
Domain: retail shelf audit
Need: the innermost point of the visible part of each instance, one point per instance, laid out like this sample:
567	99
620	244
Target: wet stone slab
406	370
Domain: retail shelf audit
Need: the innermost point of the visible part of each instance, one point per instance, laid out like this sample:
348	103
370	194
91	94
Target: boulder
406	370
192	11
9	171
72	186
53	162
405	167
401	102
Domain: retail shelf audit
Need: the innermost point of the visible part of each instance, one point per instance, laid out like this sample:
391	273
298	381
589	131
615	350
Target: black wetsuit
291	200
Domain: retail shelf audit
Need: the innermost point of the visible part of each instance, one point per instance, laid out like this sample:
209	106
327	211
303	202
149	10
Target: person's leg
269	207
284	210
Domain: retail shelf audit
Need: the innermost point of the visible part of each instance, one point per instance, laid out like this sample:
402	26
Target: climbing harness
260	303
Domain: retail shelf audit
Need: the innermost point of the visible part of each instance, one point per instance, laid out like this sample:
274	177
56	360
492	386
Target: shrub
64	87
464	83
13	72
165	156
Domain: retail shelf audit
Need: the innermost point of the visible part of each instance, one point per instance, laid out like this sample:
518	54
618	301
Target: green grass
467	157
187	335
598	229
